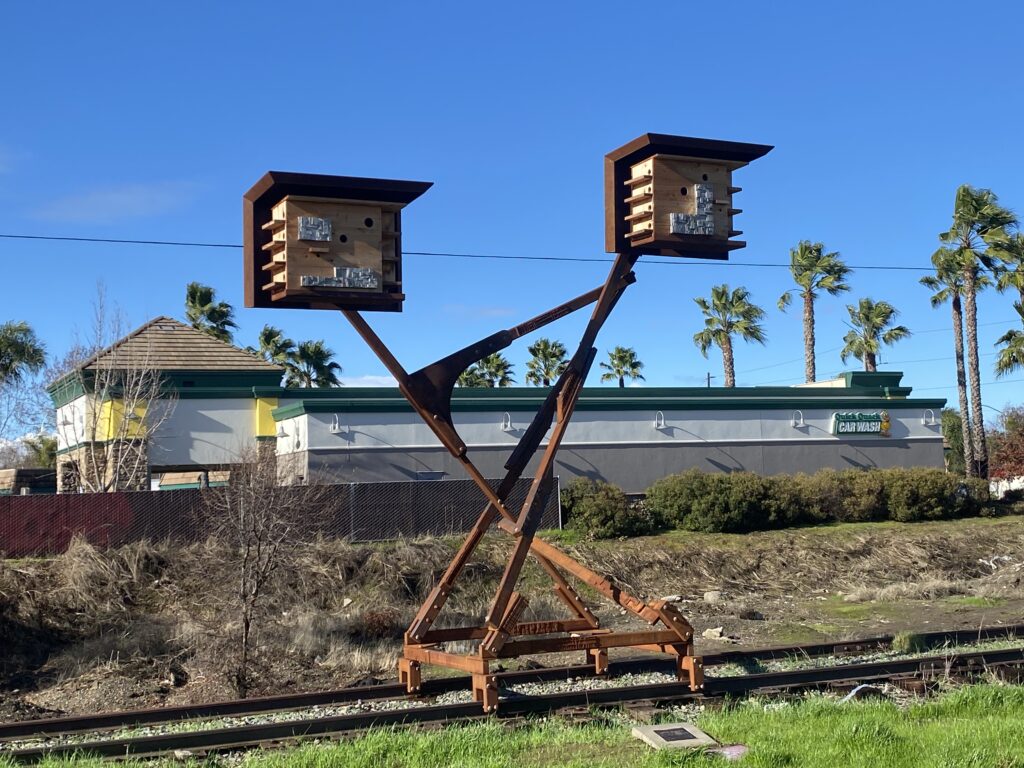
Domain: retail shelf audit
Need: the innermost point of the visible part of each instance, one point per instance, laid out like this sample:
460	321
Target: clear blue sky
138	120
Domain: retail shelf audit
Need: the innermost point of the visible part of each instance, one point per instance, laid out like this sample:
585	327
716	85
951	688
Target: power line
446	254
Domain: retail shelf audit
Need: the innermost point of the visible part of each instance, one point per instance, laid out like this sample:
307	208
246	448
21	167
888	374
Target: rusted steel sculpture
665	195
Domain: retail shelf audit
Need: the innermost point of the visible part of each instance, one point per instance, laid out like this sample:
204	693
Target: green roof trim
857	396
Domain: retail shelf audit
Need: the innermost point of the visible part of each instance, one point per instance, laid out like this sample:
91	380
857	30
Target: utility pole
710	377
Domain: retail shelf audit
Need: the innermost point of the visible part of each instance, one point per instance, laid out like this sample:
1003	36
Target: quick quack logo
853	423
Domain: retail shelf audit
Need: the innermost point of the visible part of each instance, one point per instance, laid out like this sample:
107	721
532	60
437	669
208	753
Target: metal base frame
503	634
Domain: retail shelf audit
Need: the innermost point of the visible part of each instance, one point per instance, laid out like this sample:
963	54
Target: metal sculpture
668	195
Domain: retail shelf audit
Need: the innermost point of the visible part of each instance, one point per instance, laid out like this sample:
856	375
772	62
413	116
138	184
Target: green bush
864	496
673	497
742	501
599	510
920	494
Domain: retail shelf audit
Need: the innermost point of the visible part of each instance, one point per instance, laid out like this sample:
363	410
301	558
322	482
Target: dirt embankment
150	624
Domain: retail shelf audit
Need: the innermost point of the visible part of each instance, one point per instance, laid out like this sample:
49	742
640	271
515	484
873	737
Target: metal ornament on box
506	632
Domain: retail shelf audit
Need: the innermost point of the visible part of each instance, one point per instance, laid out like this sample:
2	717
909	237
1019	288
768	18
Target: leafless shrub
108	430
260	525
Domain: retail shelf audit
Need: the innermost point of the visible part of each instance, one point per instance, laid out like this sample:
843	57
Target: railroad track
274	733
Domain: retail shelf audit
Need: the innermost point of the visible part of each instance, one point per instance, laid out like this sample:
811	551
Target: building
630	437
204	406
167	398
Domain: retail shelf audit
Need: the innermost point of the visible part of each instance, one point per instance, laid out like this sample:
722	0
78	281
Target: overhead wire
448	254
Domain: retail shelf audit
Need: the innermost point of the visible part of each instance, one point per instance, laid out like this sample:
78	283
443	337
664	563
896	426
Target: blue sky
133	120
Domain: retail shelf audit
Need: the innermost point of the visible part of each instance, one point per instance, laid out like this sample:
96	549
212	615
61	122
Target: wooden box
325	242
673	195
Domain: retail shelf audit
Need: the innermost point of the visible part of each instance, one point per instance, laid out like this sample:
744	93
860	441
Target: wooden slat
641	196
645	179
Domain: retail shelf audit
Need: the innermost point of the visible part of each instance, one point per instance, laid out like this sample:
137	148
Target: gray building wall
632	467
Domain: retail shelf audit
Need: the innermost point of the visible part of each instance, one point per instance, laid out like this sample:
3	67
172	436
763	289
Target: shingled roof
166	344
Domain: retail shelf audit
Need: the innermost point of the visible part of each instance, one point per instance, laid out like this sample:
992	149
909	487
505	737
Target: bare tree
259	523
107	428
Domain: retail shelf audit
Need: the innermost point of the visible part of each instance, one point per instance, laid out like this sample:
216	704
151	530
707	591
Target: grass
976	726
972	601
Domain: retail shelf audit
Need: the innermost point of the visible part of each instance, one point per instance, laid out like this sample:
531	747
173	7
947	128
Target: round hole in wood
682	191
705	177
343	238
368	222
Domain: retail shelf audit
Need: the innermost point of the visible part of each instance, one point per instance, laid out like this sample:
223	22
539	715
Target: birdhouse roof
649	144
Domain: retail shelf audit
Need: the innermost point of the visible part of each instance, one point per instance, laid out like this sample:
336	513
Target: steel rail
228	739
51	727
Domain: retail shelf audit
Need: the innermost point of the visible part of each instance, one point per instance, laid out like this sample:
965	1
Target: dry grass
964	557
338	611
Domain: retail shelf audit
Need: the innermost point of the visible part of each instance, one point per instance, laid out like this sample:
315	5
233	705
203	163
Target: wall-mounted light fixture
797	420
281	432
506	423
336	427
659	420
928	418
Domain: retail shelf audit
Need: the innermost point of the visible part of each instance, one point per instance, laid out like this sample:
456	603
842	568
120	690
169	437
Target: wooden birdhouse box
673	196
325	242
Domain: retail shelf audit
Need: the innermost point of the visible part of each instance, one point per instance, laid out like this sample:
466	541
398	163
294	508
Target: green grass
971	601
976	726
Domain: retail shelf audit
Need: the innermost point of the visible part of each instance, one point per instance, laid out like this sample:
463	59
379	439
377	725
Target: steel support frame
429	392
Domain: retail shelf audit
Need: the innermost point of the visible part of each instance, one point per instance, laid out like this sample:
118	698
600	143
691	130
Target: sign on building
858	423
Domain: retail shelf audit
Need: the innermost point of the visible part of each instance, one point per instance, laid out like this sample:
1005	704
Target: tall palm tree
21	351
977	232
814	271
728	313
495	371
311	366
205	313
274	346
1011	356
622	364
948	284
547	361
871	325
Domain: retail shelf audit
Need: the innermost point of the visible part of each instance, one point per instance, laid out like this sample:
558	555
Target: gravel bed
521	689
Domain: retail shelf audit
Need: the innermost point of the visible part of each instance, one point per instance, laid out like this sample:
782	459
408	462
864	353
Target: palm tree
870	327
311	366
1011	356
728	313
1012	254
274	347
977	232
814	271
622	364
495	371
205	313
21	351
471	377
948	284
547	361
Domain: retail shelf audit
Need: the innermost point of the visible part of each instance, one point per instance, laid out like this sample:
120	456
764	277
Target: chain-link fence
45	524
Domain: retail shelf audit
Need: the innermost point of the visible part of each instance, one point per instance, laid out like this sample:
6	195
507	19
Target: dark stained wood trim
275	185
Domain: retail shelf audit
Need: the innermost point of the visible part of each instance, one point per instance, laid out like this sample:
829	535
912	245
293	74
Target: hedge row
742	501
